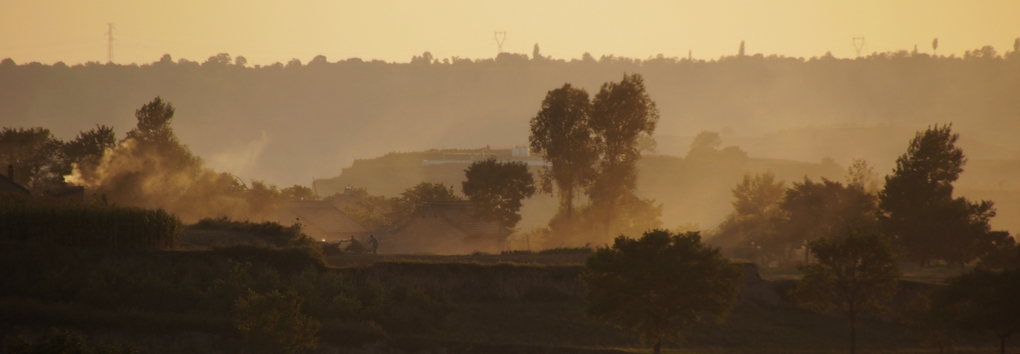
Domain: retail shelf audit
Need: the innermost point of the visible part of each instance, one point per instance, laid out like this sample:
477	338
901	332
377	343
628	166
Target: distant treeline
333	112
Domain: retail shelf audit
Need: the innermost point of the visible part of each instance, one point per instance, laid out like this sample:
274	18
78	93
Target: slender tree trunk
1002	343
658	343
853	334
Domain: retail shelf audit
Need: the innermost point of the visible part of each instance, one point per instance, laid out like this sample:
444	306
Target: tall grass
89	225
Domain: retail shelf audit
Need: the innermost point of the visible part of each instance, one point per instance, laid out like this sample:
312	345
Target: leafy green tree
89	146
368	210
985	300
153	134
34	153
824	209
262	198
919	210
1003	253
497	189
749	232
273	323
862	175
620	113
416	198
705	143
853	275
561	133
660	284
298	192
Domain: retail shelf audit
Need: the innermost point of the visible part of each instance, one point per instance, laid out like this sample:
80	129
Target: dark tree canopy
154	120
814	210
561	133
705	140
496	188
918	205
751	228
660	284
853	274
621	112
415	198
90	145
984	300
34	153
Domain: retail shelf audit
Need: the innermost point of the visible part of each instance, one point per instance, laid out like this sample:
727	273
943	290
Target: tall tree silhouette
562	134
918	205
621	112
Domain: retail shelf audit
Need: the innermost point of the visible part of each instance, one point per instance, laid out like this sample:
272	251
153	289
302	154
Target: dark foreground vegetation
287	297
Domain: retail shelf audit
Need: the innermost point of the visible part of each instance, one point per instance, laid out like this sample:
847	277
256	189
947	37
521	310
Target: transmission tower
109	43
500	39
859	45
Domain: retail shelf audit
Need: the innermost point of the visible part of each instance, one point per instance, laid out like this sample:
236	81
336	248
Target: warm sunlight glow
267	32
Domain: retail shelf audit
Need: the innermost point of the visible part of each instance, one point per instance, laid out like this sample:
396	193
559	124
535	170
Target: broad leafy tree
154	135
705	143
561	133
659	284
497	188
414	199
749	232
34	153
852	275
813	210
621	112
984	300
919	210
89	146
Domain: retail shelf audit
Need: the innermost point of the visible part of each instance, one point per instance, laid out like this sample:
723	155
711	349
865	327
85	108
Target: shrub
273	323
269	232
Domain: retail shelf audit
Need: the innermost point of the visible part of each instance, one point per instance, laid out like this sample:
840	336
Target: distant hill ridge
287	123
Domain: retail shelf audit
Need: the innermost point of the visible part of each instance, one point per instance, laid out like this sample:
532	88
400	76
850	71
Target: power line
109	44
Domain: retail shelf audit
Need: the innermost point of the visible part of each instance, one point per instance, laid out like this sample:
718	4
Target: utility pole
500	39
859	45
109	43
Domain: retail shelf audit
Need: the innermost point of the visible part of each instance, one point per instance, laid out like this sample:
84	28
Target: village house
445	228
8	186
351	199
321	221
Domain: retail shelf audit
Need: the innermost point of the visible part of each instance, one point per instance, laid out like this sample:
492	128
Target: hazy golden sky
264	32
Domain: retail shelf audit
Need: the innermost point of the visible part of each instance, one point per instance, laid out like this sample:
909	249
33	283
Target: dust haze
290	123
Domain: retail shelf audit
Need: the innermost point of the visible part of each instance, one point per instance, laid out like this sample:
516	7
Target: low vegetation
89	225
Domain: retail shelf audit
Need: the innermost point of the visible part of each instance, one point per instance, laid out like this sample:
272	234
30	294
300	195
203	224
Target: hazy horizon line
581	57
